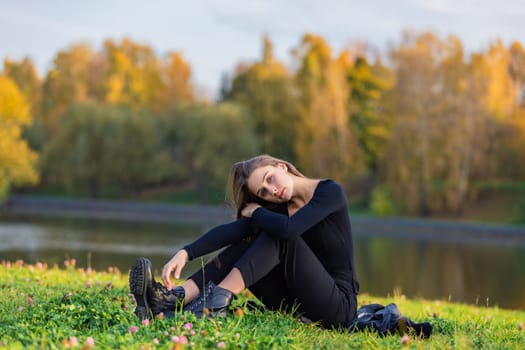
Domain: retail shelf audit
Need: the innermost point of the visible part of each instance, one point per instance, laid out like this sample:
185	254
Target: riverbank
136	211
76	307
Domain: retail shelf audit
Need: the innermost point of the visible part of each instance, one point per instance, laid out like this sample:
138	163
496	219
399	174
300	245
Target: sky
214	36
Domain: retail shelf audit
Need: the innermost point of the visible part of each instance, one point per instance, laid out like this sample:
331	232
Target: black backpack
387	320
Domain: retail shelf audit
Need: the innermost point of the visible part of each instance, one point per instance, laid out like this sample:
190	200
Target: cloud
18	18
472	8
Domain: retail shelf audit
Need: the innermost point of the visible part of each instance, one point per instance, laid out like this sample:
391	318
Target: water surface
484	274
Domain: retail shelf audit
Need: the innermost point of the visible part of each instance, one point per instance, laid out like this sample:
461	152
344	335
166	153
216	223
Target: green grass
44	307
186	196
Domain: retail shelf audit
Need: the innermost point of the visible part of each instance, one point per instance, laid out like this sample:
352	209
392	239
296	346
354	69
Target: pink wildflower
188	325
221	345
89	284
145	322
192	332
20	308
73	341
175	339
183	339
155	341
133	329
90	342
405	340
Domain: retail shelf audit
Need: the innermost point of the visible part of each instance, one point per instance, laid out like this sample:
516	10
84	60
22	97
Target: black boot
197	304
166	301
152	297
214	301
140	281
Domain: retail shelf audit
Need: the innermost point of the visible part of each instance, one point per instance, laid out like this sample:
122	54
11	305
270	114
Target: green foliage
266	90
383	203
52	307
204	142
520	219
371	131
189	196
100	147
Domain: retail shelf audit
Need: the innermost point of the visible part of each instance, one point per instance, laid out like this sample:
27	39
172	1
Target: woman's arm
219	237
212	240
328	198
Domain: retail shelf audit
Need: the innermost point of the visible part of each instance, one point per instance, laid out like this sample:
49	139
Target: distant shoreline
135	211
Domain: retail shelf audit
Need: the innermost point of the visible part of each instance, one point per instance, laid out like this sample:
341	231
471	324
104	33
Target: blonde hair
238	193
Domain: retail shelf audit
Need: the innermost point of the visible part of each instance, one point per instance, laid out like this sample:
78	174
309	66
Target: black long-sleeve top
323	223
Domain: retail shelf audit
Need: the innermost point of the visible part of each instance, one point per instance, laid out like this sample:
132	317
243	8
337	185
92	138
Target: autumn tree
25	76
415	149
507	106
266	89
133	76
325	143
517	141
177	81
367	119
66	83
453	121
17	161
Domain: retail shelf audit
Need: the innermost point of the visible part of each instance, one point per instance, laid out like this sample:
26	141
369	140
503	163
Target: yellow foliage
501	93
16	159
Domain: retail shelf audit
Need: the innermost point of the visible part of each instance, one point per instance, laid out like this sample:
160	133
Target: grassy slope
44	307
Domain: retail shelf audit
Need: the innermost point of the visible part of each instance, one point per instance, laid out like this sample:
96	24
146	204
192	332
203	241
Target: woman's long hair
238	193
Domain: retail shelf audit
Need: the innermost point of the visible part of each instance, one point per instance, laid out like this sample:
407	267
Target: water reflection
94	243
468	273
475	274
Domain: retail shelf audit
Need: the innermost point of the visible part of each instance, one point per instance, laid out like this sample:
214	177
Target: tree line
414	130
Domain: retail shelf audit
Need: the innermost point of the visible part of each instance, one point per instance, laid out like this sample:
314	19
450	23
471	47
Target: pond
483	274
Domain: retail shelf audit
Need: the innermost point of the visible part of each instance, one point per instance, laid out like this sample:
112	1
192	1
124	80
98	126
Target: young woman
291	246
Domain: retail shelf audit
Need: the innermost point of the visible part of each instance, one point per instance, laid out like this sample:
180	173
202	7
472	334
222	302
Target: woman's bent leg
303	275
219	266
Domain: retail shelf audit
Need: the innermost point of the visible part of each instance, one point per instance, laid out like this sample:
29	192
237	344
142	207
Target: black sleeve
328	198
219	237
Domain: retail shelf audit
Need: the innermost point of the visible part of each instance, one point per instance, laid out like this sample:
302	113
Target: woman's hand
249	209
176	264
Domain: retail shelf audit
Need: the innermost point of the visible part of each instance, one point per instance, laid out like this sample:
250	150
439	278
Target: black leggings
283	274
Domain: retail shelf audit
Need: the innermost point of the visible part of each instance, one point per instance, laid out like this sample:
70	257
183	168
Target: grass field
57	307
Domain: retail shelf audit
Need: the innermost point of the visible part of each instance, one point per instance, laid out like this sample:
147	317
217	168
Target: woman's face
271	183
